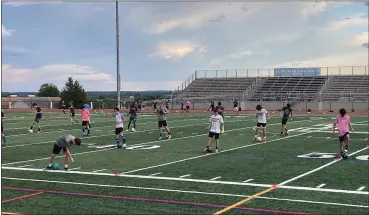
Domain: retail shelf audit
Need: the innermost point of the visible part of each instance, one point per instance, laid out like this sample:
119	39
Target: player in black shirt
38	117
235	106
286	114
3	137
63	106
154	104
72	114
133	116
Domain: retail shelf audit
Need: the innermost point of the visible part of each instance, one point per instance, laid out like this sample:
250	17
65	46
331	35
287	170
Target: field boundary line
22	197
157	141
181	191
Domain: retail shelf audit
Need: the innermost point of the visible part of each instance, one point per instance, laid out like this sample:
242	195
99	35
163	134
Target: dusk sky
162	44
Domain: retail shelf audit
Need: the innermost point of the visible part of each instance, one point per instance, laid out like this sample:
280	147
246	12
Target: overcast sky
164	43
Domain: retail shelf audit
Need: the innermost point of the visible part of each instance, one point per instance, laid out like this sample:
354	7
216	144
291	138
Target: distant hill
91	93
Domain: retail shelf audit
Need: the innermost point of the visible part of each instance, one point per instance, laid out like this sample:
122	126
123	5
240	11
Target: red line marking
23	197
153	200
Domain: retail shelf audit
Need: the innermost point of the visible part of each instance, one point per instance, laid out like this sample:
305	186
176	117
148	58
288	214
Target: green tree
48	90
73	92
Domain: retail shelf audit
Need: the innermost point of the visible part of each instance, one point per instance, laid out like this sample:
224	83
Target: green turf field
282	176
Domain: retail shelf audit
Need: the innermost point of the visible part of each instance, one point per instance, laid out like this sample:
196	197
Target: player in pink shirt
85	119
344	125
188	103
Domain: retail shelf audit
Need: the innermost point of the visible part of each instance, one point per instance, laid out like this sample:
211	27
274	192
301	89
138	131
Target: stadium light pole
117	39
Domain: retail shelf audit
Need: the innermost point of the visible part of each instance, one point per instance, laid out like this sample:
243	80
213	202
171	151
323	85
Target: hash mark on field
361	188
75	168
25	165
248	180
158	173
97	130
184	176
99	170
320	186
213	179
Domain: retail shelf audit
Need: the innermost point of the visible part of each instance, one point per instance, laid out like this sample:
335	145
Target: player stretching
38	118
343	122
3	137
221	112
119	119
133	116
86	119
162	121
72	114
63	142
216	121
235	106
286	114
261	121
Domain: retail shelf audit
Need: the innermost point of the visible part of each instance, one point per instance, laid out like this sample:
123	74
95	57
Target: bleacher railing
253	73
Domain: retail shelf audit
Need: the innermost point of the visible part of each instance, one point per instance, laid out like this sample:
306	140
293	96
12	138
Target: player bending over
63	142
133	116
221	112
261	121
162	121
72	114
344	125
119	134
3	137
286	114
86	120
216	122
38	118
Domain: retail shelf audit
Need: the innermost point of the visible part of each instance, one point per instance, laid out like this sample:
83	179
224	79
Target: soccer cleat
160	138
66	169
217	150
124	145
169	137
48	168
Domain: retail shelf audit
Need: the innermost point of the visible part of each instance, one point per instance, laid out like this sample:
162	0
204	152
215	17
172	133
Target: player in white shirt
261	121
215	128
119	119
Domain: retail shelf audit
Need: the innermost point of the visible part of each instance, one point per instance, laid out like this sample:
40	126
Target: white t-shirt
261	116
119	120
215	123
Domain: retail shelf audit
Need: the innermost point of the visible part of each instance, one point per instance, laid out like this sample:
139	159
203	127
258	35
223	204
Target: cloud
348	22
20	4
5	32
362	39
176	50
98	9
240	55
18	78
318	7
13	51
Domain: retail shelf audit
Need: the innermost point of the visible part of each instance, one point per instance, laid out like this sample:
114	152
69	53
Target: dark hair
117	109
77	141
34	104
288	105
259	107
342	111
219	103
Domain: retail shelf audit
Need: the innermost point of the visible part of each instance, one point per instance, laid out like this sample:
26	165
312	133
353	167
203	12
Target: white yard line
185	176
361	188
213	179
248	180
320	186
182	191
74	168
25	165
159	141
158	173
100	170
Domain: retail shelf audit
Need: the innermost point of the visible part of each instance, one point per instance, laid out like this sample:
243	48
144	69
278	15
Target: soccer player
139	106
182	107
162	121
235	106
133	116
344	125
261	121
286	114
220	112
154	104
63	106
72	114
167	104
188	103
86	120
216	122
119	119
3	137
38	117
64	142
212	106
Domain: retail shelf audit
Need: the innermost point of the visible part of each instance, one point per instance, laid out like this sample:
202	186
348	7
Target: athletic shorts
284	121
57	149
215	135
167	107
342	138
261	124
132	117
85	123
38	119
162	123
118	130
187	107
72	114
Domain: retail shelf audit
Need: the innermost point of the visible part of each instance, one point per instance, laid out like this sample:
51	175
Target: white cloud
362	39
5	32
14	50
317	7
57	74
348	22
19	4
240	55
175	50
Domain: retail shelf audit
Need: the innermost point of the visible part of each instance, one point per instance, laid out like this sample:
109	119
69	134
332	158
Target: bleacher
217	86
347	87
289	87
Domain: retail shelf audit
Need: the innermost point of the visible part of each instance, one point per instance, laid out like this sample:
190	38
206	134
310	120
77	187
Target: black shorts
215	135
162	123
37	119
343	137
167	107
284	121
261	124
187	107
139	107
72	114
131	118
85	123
57	149
118	131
